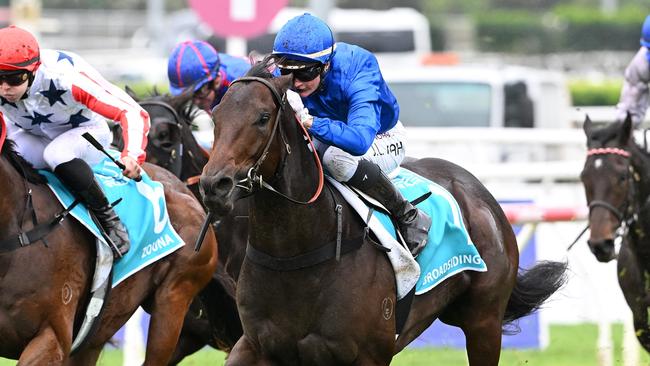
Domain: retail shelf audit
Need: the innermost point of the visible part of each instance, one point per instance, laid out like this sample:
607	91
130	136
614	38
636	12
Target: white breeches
387	151
45	153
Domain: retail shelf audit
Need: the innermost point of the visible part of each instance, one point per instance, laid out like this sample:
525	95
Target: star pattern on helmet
77	119
65	56
53	94
38	118
4	101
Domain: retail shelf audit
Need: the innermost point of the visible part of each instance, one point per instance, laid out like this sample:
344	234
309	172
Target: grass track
573	345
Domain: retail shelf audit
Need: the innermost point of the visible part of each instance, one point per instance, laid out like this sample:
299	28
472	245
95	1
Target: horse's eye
264	118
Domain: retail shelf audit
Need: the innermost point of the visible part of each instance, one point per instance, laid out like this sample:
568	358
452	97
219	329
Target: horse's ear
626	128
283	83
131	93
587	126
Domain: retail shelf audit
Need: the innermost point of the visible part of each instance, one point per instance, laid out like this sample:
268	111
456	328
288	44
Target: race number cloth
142	210
449	249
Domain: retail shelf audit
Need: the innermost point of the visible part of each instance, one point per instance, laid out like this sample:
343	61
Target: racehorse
329	309
213	319
616	177
45	284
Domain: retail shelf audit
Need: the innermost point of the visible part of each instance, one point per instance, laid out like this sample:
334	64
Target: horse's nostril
224	184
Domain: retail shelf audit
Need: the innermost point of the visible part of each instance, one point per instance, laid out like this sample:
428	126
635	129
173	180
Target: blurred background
499	86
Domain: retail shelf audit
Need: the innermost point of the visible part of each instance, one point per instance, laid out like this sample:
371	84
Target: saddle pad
449	249
142	210
405	267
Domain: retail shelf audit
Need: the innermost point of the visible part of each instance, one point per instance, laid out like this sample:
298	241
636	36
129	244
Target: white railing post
133	346
605	345
631	351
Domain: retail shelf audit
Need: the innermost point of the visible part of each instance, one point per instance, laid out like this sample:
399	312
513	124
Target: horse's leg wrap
413	223
78	176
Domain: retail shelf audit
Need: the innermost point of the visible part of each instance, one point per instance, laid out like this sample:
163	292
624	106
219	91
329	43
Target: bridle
254	180
175	157
625	213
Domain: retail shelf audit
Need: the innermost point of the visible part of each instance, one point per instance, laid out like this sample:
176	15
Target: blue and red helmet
192	64
305	38
645	32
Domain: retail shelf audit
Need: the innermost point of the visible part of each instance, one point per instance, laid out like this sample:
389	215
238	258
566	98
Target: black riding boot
78	176
413	223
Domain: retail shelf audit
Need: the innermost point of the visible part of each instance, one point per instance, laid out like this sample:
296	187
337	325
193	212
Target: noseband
625	214
253	179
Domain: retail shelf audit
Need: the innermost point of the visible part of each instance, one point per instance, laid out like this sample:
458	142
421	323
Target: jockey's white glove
301	112
295	101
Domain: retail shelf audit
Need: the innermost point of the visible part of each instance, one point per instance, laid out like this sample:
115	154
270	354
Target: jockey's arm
112	103
634	94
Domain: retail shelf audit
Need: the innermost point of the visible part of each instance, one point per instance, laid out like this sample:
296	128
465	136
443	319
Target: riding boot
78	176
413	223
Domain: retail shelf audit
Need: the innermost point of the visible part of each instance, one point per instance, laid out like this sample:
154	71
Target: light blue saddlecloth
449	249
142	210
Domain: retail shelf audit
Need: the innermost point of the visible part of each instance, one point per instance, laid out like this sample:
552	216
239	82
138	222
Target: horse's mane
25	168
261	69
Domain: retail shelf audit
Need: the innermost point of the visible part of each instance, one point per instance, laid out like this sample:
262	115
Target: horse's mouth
603	251
219	206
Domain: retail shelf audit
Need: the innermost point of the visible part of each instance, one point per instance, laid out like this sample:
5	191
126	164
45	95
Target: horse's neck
285	228
640	232
12	198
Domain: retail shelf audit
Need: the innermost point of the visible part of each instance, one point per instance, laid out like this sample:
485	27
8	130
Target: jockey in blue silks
196	67
342	99
634	94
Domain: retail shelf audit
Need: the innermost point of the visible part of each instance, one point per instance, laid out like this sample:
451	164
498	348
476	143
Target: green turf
573	345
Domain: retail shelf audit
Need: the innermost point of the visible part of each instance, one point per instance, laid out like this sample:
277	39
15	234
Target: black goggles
305	74
14	79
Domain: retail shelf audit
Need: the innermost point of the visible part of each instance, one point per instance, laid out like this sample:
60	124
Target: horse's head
165	141
608	180
247	137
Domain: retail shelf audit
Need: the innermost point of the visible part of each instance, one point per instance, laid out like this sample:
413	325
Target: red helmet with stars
19	50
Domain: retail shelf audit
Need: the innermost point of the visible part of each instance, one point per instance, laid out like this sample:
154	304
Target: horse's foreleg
45	349
168	311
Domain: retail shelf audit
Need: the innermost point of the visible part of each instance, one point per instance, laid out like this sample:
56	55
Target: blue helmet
305	38
191	65
645	32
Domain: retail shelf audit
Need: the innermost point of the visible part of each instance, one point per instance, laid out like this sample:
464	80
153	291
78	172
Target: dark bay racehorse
213	318
616	177
45	288
302	308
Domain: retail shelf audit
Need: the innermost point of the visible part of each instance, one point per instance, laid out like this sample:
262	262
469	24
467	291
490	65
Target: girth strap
37	233
312	258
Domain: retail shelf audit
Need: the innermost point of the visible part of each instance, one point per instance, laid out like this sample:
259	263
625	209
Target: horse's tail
533	287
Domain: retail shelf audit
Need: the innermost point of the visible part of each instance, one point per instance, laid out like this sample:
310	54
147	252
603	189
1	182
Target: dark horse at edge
341	312
616	178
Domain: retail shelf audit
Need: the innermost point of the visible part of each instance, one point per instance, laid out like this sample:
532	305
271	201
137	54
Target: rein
253	179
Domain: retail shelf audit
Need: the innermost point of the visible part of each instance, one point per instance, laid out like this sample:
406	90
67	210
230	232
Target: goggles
304	74
14	79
